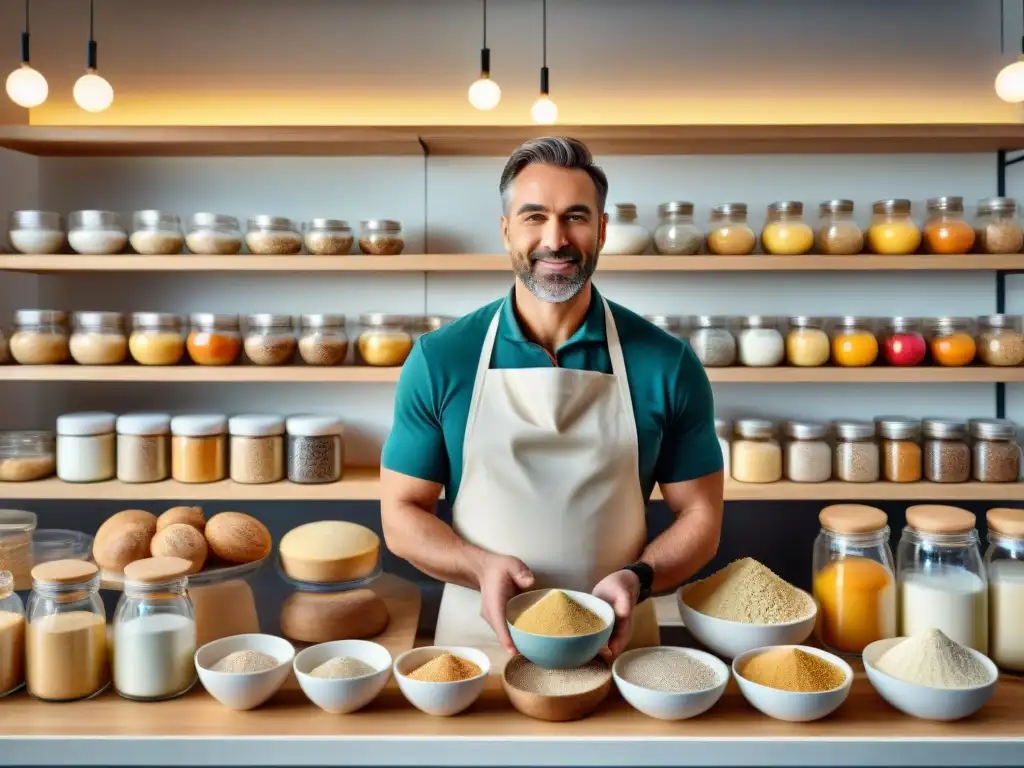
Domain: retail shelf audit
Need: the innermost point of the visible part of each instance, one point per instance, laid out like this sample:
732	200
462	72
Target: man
547	417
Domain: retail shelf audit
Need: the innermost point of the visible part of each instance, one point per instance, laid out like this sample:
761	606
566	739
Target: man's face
553	230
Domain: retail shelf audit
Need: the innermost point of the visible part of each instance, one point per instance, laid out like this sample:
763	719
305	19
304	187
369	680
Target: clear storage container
17	528
257	448
838	234
143	447
381	237
214	339
156	233
328	237
623	236
945	230
384	340
947	456
272	236
86	447
27	455
808	454
995	453
270	339
156	339
854	344
997	228
1004	564
761	343
98	338
952	341
199	448
892	231
316	451
96	233
322	339
713	342
213	234
756	454
785	232
40	337
419	325
36	232
901	448
12	636
676	233
857	455
729	234
673	325
1000	340
807	343
903	344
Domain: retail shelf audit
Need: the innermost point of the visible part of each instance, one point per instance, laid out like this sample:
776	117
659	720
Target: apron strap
482	366
619	365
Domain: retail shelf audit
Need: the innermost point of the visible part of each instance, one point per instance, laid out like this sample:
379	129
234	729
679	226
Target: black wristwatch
645	573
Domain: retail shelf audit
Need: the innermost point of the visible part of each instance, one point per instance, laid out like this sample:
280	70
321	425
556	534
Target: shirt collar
592	329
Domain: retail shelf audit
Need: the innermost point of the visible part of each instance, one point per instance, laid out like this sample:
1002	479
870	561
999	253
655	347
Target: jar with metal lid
40	337
756	454
713	342
143	447
96	233
729	234
838	234
901	448
857	459
676	233
952	341
27	455
995	453
381	237
1000	340
322	339
316	451
785	232
156	339
807	343
98	338
328	237
213	234
384	340
86	447
854	344
945	230
66	653
892	231
903	344
808	454
214	339
156	233
854	580
623	235
1004	565
36	232
724	431
997	228
12	636
257	448
761	343
420	325
272	236
947	456
941	575
673	325
270	339
199	448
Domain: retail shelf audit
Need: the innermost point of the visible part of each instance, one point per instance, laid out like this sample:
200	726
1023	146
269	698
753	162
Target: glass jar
143	447
903	343
272	236
676	233
761	343
807	344
156	339
384	340
808	454
270	339
947	456
997	228
995	454
96	233
945	230
673	325
838	234
941	576
156	233
756	454
12	636
257	448
27	455
623	236
901	448
785	232
1000	340
854	344
729	234
199	448
316	451
724	431
66	654
420	325
892	231
214	339
857	459
713	342
854	580
86	450
98	338
328	237
322	339
1004	565
381	237
17	528
35	232
212	234
952	341
40	337
154	641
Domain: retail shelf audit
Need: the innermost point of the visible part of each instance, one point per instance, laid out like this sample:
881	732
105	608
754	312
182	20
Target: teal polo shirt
672	400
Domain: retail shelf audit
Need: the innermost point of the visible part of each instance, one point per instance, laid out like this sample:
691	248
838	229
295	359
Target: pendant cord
544	8
92	12
485	23
27	21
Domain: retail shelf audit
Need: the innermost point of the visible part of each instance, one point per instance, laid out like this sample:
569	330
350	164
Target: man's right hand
501	578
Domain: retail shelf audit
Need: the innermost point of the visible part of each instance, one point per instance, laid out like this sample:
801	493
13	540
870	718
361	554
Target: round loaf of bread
120	542
180	540
147	519
329	552
315	617
238	538
189	515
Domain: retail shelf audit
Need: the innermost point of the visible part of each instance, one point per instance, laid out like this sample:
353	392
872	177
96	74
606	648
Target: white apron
550	475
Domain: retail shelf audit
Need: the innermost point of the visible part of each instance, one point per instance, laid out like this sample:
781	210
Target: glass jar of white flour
86	447
1004	561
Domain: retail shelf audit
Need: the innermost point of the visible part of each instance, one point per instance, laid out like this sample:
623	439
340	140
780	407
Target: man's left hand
620	590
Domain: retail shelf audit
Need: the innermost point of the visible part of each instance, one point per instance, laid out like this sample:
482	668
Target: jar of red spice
952	341
214	339
945	230
903	343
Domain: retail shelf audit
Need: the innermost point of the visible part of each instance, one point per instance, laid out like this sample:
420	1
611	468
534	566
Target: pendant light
544	111
1010	80
485	94
92	92
26	87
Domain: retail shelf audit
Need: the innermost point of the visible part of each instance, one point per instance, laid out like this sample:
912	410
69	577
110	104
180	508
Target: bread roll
180	540
129	516
315	617
189	515
237	538
124	542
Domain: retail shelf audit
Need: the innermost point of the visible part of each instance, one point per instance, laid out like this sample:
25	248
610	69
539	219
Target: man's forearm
682	550
418	536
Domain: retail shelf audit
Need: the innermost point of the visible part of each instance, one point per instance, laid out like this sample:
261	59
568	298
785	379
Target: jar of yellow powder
156	339
807	344
838	234
756	454
945	230
952	341
729	234
384	340
854	578
785	233
893	231
854	344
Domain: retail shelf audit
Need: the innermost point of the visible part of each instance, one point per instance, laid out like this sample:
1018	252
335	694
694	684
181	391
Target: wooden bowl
555	708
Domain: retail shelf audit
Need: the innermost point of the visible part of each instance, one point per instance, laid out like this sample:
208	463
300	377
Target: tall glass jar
945	230
903	344
673	325
901	448
270	339
854	344
273	236
98	338
947	456
729	234
857	459
40	337
384	340
761	343
676	233
807	343
156	233
66	637
892	231
154	631
199	448
1000	340
213	234
941	576
156	339
381	237
1004	562
952	341
322	339
854	578
808	454
756	454
724	431
328	237
997	228
143	447
713	342
995	453
86	447
624	236
96	233
12	636
214	339
316	450
838	234
36	232
785	232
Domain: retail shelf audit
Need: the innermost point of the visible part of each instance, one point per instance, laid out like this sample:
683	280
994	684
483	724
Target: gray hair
560	151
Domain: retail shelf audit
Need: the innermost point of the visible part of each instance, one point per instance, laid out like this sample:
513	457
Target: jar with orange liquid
945	230
729	234
952	341
893	231
785	232
854	344
214	339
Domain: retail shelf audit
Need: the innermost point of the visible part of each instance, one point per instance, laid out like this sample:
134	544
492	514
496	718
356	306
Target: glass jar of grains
676	233
947	456
322	339
199	448
756	455
785	232
952	341
995	453
96	233
808	454
673	325
12	636
40	337
729	234
98	338
892	231
272	236
143	447
156	339
257	448
712	341
857	459
270	339
156	233
901	448
384	340
807	343
17	527
213	234
854	344
945	230
316	451
838	234
86	447
214	339
381	237
997	228
420	325
761	343
1004	564
36	232
27	455
623	235
903	343
1000	340
328	237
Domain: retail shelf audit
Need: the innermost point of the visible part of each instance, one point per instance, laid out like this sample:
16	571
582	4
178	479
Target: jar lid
264	319
383	320
806	430
1000	321
16	521
902	324
156	217
331	224
34	220
993	429
428	322
939	518
756	428
214	321
852	518
98	320
322	321
953	204
853	321
898	427
144	424
665	322
895	205
760	321
256	425
64	572
199	425
156	320
1005	521
156	570
711	321
730	209
836	206
944	429
682	207
626	211
854	430
308	425
40	317
949	323
383	225
86	423
217	220
97	219
997	205
275	222
723	428
805	321
786	206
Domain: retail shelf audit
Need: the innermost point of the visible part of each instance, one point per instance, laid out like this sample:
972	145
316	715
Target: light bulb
544	111
27	87
93	93
484	94
1010	82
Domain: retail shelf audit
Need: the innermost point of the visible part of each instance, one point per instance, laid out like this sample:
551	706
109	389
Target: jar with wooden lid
316	450
272	236
12	636
213	234
807	343
270	339
86	447
214	339
713	341
156	233
27	455
676	233
154	630
785	232
756	454
36	232
761	344
381	237
892	231
98	338
838	234
945	230
199	448
947	456
623	235
257	448
156	339
729	234
808	454
857	455
143	447
322	339
854	580
420	325
1000	340
673	325
901	448
941	575
997	228
996	456
384	340
66	655
952	341
1004	566
96	233
328	237
903	344
40	337
854	344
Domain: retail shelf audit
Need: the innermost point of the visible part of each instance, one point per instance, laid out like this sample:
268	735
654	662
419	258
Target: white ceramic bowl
441	699
791	705
338	695
244	690
731	638
668	705
921	700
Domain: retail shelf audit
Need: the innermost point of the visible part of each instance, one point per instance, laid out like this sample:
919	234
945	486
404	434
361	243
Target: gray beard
554	289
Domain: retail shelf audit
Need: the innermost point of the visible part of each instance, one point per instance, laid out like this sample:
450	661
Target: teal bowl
553	652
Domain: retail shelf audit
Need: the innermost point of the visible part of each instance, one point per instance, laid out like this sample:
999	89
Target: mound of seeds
527	676
342	667
748	592
660	669
558	615
446	668
245	661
